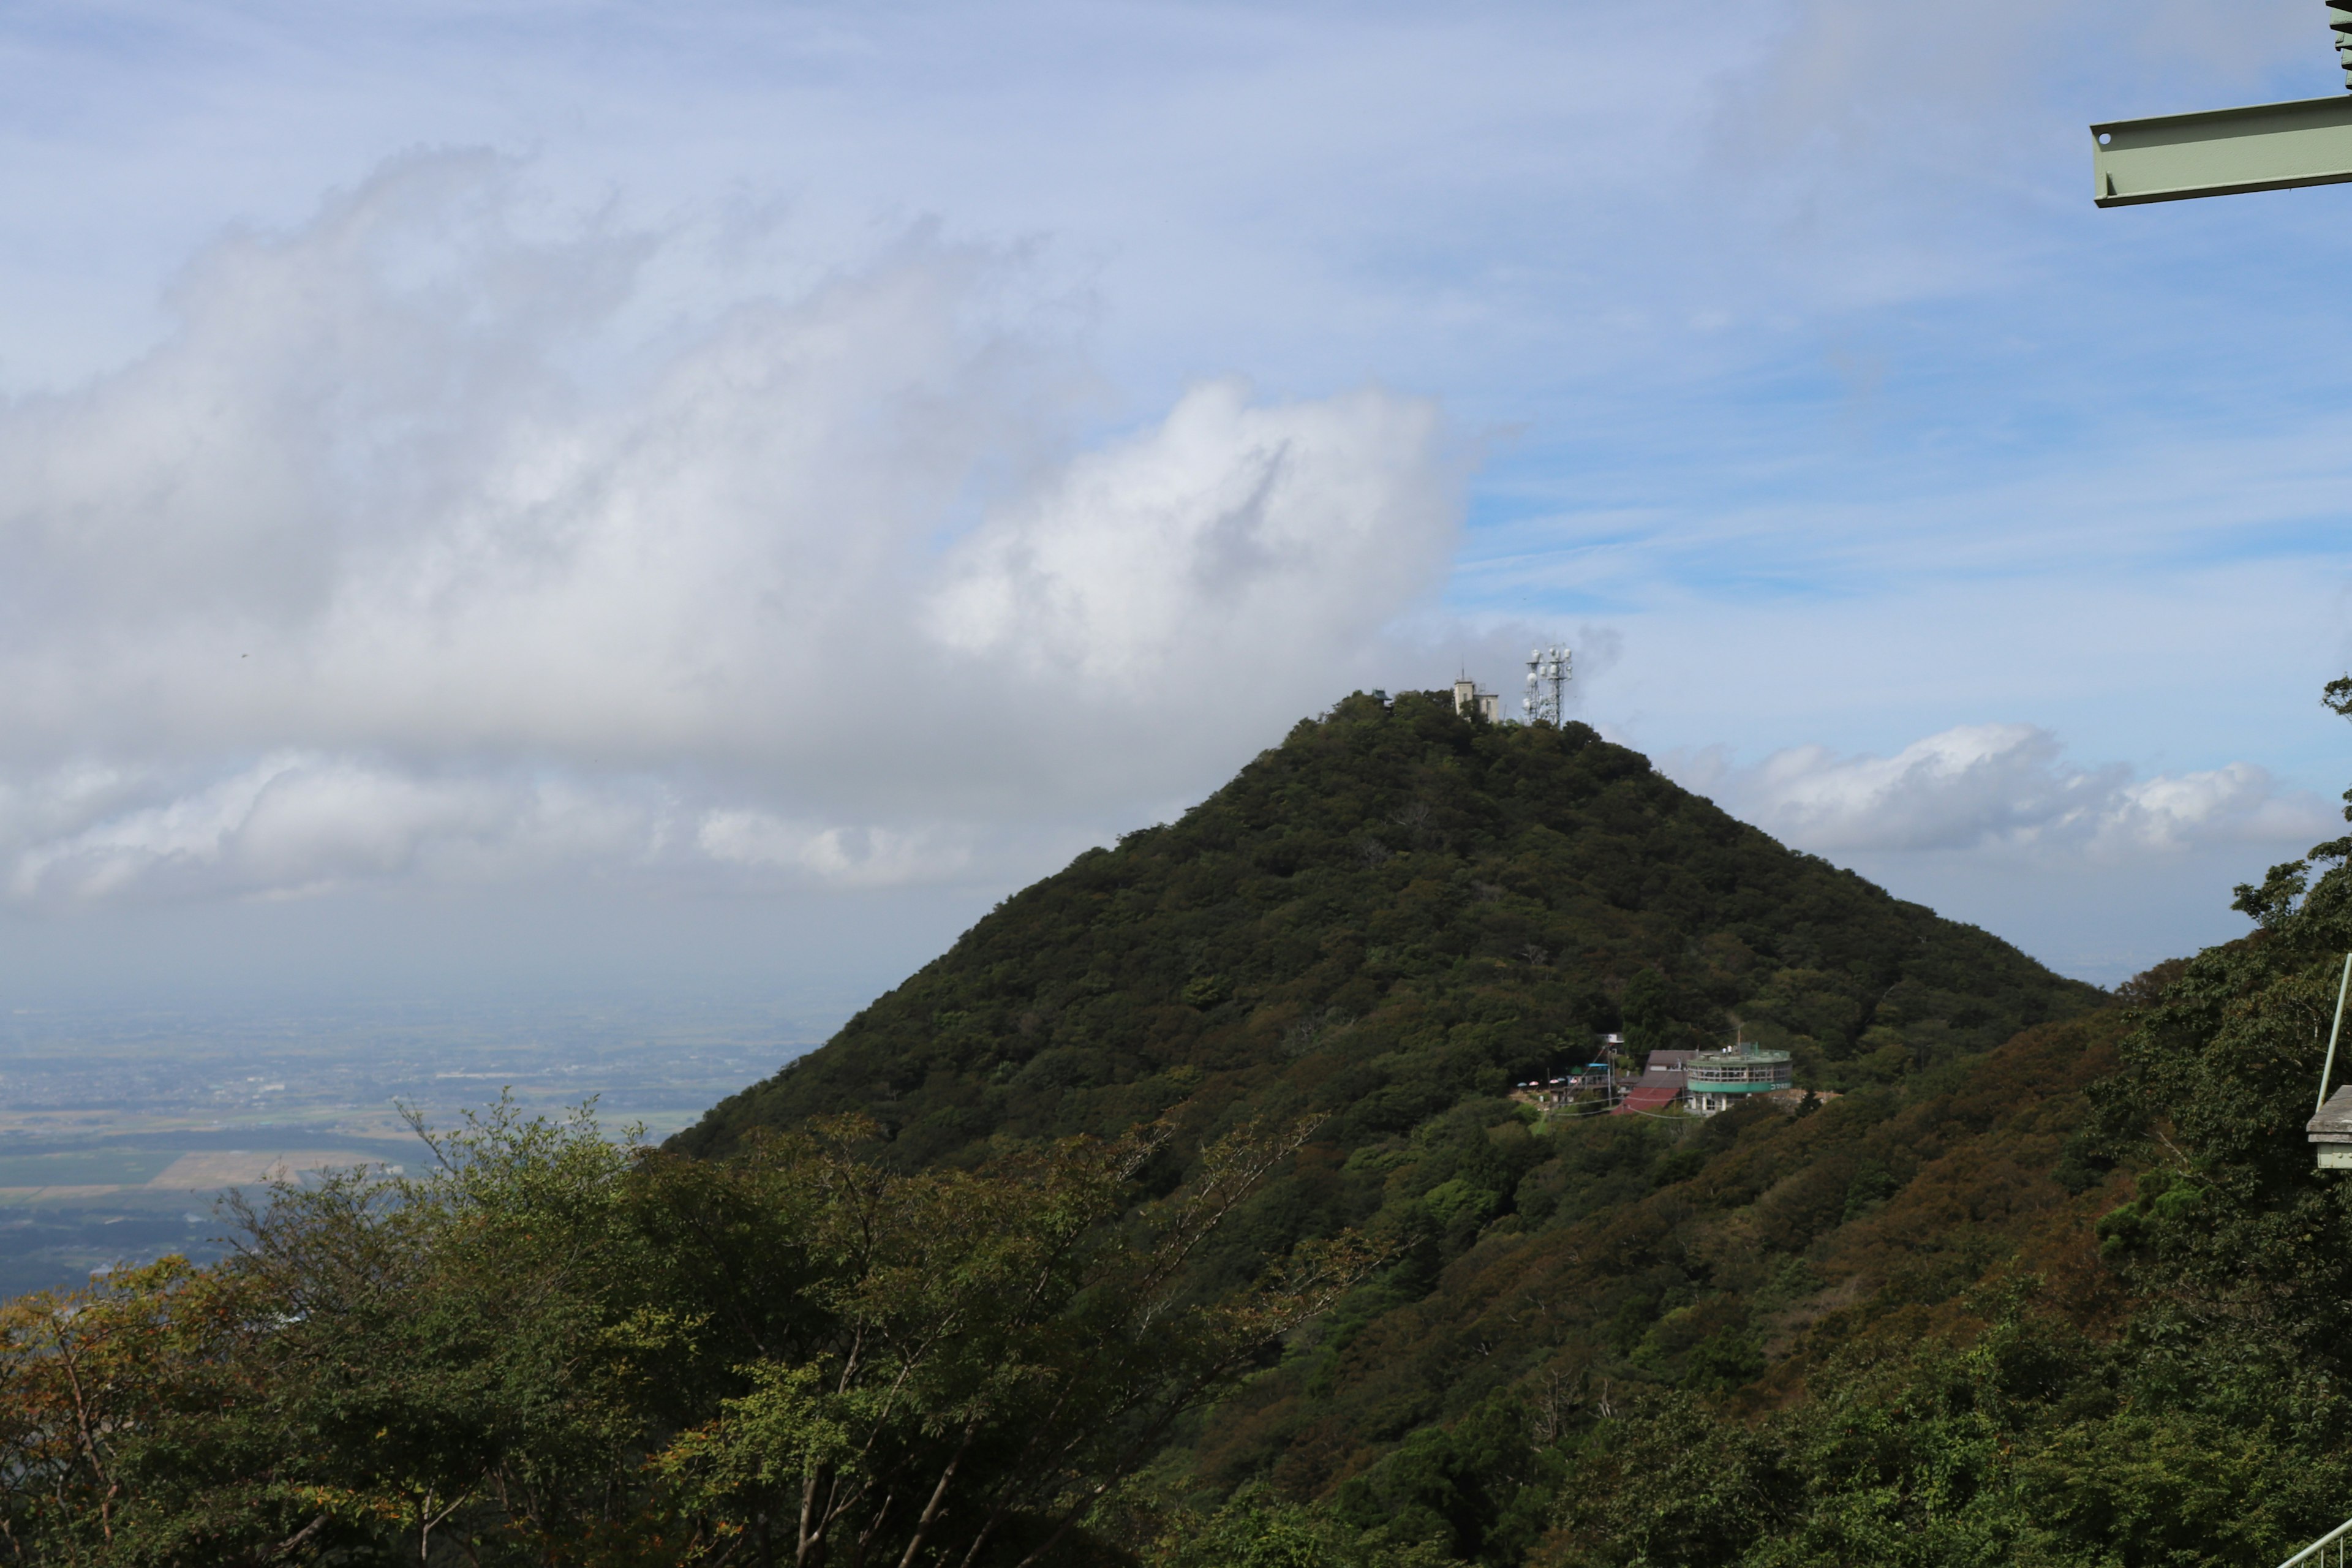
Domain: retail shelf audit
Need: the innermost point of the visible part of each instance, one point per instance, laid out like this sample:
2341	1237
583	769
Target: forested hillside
1381	924
1176	1219
1394	910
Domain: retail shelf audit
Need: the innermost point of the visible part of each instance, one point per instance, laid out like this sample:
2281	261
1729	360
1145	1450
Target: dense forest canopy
1396	908
555	1349
1179	1217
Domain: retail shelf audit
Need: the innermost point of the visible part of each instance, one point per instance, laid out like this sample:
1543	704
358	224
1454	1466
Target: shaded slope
1393	910
1725	1263
1386	922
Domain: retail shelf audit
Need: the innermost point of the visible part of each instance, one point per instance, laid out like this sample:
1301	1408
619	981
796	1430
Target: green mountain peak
1396	908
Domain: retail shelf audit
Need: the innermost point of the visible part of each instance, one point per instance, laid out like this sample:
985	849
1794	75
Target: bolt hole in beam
2222	152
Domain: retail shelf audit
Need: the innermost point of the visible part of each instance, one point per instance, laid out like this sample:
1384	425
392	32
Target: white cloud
295	822
841	857
1808	346
301	823
415	551
2000	787
1212	543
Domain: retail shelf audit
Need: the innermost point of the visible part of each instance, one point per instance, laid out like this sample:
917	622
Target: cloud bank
2001	787
432	543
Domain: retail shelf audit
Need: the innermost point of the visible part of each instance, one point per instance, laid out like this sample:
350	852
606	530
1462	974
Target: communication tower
1549	673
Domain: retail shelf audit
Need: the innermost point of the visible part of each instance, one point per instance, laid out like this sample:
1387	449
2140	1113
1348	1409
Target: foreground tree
992	1353
554	1350
134	1427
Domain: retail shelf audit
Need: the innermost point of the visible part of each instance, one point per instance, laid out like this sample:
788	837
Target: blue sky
729	490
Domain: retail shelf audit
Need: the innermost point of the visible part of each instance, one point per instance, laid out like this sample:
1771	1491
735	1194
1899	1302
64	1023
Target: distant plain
120	1131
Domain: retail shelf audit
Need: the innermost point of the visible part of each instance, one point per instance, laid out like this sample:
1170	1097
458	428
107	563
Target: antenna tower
1548	672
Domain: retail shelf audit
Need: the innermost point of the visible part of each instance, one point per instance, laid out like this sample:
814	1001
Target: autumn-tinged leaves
552	1348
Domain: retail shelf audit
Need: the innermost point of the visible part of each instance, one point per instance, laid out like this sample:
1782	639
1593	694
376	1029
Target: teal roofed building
1717	1080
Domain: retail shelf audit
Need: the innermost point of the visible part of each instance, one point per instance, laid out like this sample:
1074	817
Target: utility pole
2222	152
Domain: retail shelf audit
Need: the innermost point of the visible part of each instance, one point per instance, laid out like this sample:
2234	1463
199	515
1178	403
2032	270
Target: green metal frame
2222	152
2328	1068
2316	1554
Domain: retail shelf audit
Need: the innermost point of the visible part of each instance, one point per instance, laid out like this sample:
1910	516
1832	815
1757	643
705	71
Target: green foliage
2027	1446
1532	886
1259	1529
1647	1009
2270	904
1386	923
555	1350
1476	1490
1724	1360
2186	1398
2047	1282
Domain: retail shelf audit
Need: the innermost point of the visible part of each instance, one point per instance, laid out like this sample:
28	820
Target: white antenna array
1548	672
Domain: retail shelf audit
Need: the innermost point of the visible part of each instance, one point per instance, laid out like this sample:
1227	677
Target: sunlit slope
1392	912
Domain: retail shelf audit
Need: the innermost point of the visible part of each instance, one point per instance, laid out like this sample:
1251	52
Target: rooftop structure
1666	1067
1468	698
2332	1131
1661	1084
1647	1099
1717	1080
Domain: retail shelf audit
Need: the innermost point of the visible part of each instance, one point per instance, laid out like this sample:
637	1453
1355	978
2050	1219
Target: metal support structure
2316	1554
2225	152
1548	672
2329	1066
2222	152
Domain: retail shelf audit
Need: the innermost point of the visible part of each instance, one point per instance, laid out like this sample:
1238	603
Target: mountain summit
1398	908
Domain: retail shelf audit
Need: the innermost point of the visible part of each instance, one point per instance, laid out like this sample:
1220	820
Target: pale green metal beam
2222	152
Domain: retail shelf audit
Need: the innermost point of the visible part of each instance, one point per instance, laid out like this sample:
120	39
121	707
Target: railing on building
2317	1555
1742	1070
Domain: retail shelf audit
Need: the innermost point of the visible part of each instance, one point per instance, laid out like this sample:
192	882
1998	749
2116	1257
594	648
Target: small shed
2332	1131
